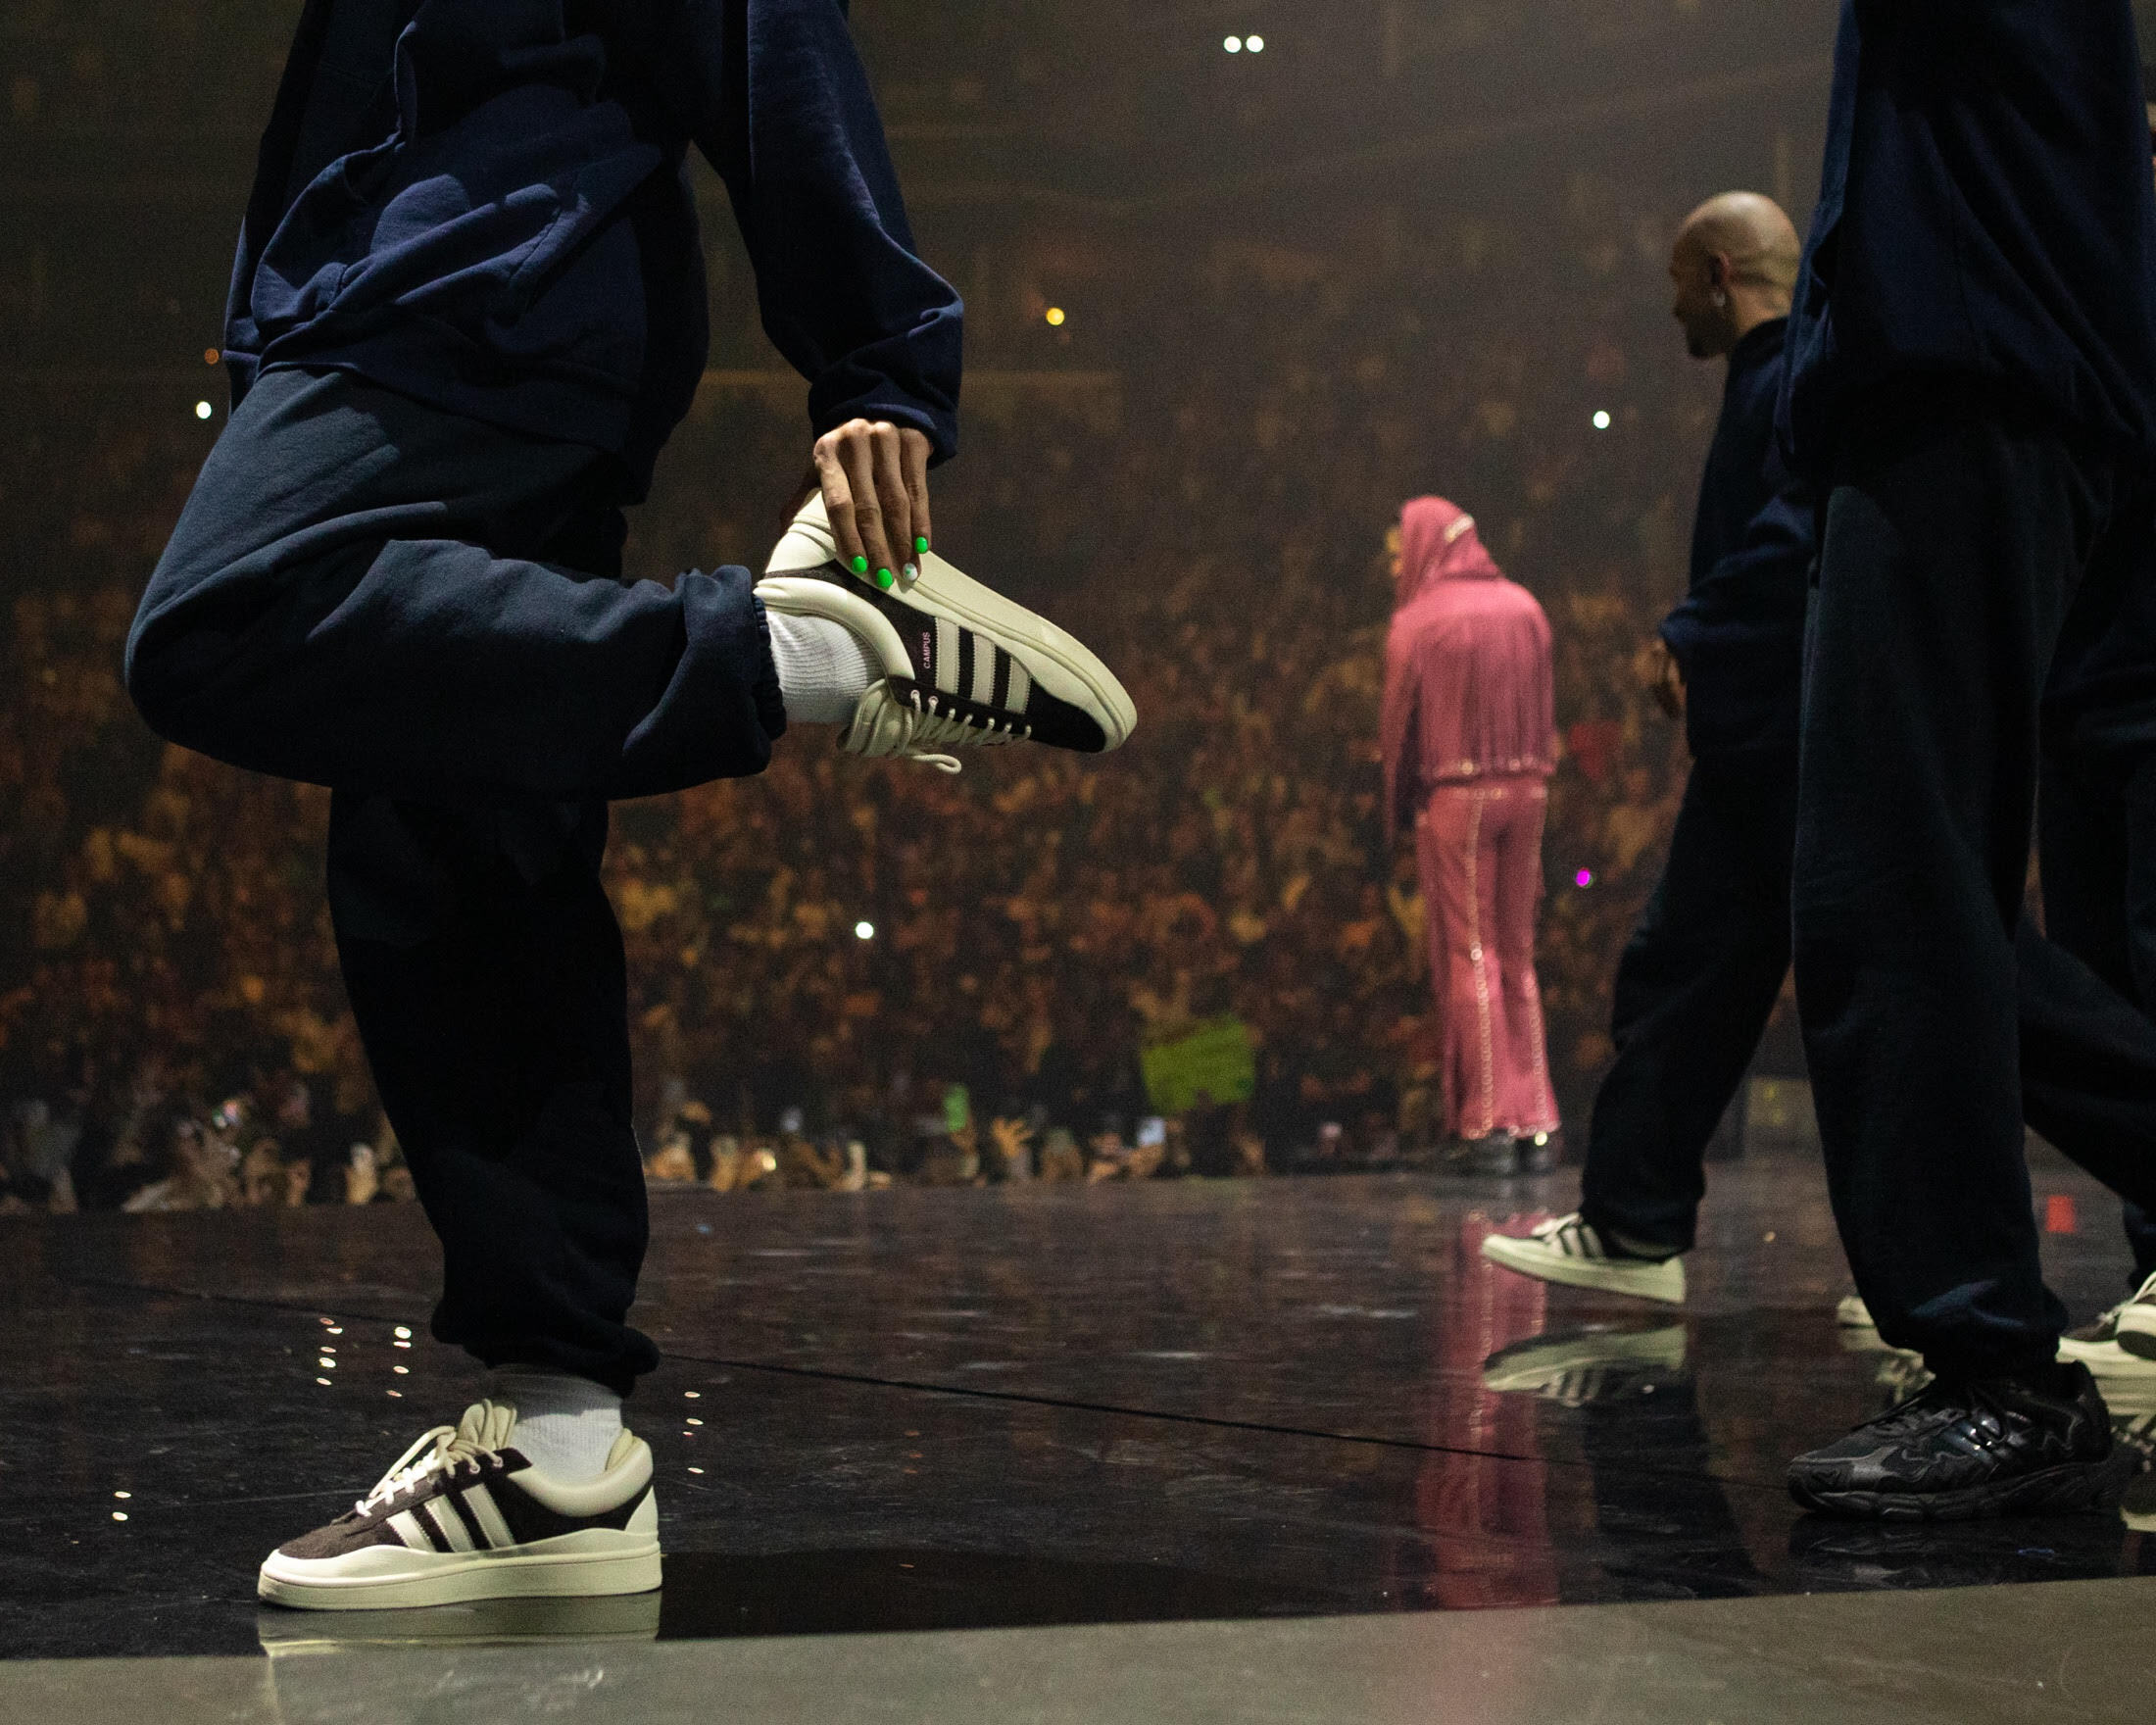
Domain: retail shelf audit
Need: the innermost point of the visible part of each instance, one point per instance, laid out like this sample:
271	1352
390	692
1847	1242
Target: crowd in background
843	974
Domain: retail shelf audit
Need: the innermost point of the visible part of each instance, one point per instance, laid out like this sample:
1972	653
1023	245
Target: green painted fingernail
886	579
920	542
860	565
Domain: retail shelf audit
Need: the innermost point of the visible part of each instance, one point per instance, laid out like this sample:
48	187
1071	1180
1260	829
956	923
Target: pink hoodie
1467	677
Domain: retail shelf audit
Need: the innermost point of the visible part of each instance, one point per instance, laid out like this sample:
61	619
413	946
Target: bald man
1703	969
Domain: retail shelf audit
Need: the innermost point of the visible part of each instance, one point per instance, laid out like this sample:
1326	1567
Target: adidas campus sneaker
2095	1343
463	1515
964	667
1567	1250
2133	1325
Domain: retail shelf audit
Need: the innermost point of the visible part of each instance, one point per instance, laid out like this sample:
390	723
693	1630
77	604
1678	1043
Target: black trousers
1956	533
1694	989
421	613
1701	974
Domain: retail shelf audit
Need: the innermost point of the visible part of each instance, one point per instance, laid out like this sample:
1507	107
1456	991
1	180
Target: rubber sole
1635	1281
2084	1488
577	1565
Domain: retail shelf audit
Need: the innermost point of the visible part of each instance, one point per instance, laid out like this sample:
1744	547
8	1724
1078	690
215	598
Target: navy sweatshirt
1985	213
480	204
1738	633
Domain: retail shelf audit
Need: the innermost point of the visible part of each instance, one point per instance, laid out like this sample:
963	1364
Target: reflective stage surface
937	1410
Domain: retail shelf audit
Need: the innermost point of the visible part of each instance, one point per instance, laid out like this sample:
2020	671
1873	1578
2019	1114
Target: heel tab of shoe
806	543
814	596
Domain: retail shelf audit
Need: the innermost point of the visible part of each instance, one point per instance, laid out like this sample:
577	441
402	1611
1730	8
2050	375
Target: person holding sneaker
468	310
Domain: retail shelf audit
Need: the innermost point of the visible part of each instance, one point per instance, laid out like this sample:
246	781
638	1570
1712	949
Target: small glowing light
401	1333
325	1382
403	1371
400	1344
1255	44
325	1364
399	1394
123	1493
120	1515
1233	44
696	1470
203	410
1056	317
211	356
1601	418
865	931
1585	877
692	1395
336	1329
692	1421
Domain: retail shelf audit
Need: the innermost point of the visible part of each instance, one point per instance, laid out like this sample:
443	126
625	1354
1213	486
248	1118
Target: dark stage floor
939	1410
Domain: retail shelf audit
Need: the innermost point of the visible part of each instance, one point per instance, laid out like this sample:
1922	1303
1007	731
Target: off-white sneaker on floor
964	667
2095	1343
1853	1314
2136	1324
1566	1250
463	1515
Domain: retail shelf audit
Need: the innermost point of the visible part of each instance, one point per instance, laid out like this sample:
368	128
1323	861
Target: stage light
1055	316
1601	418
1233	44
123	1493
1255	44
120	1515
203	410
401	1333
865	931
1585	877
211	356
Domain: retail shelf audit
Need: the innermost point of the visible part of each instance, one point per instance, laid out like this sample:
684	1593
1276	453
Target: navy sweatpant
424	613
1956	535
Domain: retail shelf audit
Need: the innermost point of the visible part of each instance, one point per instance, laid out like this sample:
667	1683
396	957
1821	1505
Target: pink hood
1467	674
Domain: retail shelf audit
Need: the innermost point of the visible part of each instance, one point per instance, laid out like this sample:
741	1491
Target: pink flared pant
1480	846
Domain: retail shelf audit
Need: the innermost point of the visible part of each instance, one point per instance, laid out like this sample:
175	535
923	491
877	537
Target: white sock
565	1424
823	669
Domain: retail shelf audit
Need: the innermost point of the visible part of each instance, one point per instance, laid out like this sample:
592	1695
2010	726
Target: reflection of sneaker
2135	1323
1566	1250
505	1622
964	667
1959	1450
1583	1365
463	1515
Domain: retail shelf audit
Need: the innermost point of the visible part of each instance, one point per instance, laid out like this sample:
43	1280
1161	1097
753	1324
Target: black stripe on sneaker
435	1537
479	1541
969	646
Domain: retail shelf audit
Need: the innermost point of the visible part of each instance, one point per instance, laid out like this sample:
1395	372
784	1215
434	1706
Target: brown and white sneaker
964	667
463	1515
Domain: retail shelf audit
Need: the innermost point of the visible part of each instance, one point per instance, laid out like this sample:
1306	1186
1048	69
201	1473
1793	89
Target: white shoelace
925	729
2145	1292
447	1449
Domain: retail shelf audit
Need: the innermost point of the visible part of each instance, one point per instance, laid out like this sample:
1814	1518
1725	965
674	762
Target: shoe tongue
487	1424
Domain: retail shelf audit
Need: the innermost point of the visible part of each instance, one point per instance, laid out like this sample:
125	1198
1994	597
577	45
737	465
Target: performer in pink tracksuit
1469	744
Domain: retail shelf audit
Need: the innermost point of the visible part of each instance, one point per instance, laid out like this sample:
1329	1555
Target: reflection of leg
486	974
1529	1106
362	591
1694	989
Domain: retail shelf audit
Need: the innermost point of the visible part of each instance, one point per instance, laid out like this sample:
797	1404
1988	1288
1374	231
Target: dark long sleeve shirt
480	204
1984	214
1739	632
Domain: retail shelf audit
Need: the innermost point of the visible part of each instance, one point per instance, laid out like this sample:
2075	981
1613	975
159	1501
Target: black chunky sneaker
964	667
463	1515
1962	1448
